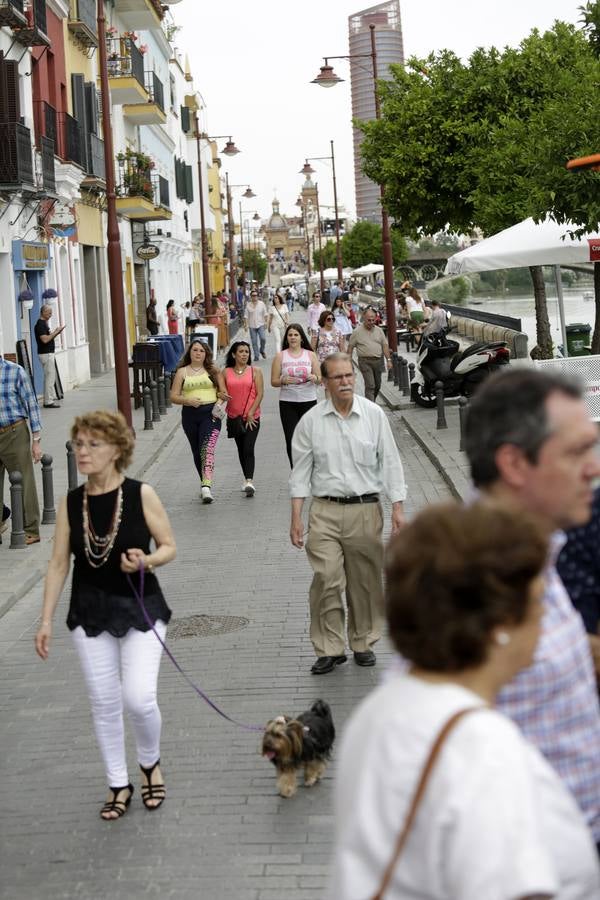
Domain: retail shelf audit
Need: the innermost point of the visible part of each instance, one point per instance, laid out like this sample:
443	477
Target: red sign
594	244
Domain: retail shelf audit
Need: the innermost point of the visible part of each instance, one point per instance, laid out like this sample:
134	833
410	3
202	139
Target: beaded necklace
97	548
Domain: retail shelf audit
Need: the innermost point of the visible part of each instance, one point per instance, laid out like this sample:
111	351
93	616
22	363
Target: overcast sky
253	63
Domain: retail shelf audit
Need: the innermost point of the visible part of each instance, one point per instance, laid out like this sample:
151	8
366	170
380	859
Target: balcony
48	171
125	65
12	13
35	32
142	195
151	112
83	23
143	14
72	139
16	158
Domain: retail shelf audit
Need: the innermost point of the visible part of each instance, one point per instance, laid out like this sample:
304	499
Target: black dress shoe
51	405
364	658
326	664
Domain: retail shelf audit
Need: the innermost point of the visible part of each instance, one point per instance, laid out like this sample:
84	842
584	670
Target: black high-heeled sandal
116	806
152	791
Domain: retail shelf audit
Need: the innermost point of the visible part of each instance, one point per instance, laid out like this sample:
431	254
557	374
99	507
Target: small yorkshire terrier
303	742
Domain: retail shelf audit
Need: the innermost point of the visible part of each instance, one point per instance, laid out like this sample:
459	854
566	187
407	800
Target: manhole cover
204	626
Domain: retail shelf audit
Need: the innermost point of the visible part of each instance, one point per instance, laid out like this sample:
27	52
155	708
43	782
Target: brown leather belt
14	425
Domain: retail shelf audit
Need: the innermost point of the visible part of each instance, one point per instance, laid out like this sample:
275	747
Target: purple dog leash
139	596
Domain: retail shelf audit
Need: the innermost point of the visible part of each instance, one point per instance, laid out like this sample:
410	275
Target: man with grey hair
530	442
45	347
344	457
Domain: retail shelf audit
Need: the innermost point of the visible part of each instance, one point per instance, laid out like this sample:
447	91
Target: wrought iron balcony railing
95	164
83	23
12	13
155	89
125	59
35	32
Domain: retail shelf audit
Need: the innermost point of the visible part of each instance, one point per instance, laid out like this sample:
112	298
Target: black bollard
390	374
154	396
71	467
162	400
439	401
17	535
463	412
404	382
147	400
395	368
411	372
48	512
168	380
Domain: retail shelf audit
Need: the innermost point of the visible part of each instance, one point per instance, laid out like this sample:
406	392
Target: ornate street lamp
307	170
328	78
248	193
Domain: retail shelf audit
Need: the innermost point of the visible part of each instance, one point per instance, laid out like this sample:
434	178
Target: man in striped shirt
530	442
18	451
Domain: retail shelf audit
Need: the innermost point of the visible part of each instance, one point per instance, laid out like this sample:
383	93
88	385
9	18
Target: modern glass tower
388	42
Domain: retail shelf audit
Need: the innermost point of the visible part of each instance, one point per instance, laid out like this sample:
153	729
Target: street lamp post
328	78
229	149
113	248
308	170
248	193
302	205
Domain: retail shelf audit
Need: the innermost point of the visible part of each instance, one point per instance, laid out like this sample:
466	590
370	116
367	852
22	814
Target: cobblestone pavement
223	833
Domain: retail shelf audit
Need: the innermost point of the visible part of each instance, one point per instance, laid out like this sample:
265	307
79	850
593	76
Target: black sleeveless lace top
102	599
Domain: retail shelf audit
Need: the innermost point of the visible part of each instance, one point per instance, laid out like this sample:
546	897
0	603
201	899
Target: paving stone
223	831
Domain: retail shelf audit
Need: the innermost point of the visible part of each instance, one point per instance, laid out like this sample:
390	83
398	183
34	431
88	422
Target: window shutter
78	91
186	124
91	108
189	185
10	107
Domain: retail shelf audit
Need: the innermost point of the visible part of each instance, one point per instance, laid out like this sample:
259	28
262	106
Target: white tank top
297	367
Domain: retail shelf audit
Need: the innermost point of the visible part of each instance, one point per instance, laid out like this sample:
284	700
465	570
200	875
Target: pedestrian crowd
473	770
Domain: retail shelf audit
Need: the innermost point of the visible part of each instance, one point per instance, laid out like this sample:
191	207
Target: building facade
388	43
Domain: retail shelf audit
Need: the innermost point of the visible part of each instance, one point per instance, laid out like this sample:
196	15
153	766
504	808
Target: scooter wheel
421	399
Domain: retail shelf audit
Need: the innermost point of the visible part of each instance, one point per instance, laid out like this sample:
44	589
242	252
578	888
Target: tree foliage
256	263
362	245
483	144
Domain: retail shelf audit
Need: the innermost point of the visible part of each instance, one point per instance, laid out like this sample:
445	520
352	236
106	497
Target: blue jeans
259	340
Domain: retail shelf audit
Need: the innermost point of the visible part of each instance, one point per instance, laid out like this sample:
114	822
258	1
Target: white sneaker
249	489
206	495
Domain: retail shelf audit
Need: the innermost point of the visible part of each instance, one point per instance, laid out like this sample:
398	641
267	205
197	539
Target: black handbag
237	425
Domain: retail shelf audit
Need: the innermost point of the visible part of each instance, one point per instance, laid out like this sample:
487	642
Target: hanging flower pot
26	295
49	293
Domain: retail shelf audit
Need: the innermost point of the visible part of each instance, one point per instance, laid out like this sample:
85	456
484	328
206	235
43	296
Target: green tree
329	256
256	263
363	244
484	143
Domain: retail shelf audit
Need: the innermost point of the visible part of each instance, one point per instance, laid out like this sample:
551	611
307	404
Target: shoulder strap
418	795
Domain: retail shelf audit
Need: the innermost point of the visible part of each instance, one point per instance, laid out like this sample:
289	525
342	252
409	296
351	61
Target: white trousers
122	673
47	361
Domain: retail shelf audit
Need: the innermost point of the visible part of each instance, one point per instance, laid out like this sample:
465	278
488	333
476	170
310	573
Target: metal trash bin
578	339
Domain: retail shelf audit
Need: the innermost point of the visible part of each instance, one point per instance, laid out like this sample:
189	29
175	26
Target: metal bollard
463	412
154	396
404	382
48	512
439	402
168	381
147	400
17	535
395	368
162	401
411	372
390	374
71	467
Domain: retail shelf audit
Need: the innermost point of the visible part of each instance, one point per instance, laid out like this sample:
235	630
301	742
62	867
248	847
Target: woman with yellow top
197	386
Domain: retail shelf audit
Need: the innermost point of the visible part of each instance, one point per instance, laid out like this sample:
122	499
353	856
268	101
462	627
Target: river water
521	307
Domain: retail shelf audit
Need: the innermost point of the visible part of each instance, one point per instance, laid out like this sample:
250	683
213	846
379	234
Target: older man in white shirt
344	456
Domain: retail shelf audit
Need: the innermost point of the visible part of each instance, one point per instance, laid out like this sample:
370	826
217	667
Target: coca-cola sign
147	251
594	245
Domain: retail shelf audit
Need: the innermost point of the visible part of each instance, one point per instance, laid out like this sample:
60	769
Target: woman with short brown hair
494	821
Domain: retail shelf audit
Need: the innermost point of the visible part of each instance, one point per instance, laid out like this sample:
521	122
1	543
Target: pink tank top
242	390
297	367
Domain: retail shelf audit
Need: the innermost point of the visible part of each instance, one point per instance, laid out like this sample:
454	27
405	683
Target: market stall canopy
329	275
369	269
526	244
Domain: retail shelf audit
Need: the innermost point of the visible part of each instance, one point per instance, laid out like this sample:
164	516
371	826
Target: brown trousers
15	456
345	551
370	369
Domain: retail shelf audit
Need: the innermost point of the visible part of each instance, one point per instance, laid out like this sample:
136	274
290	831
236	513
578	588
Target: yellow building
216	243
